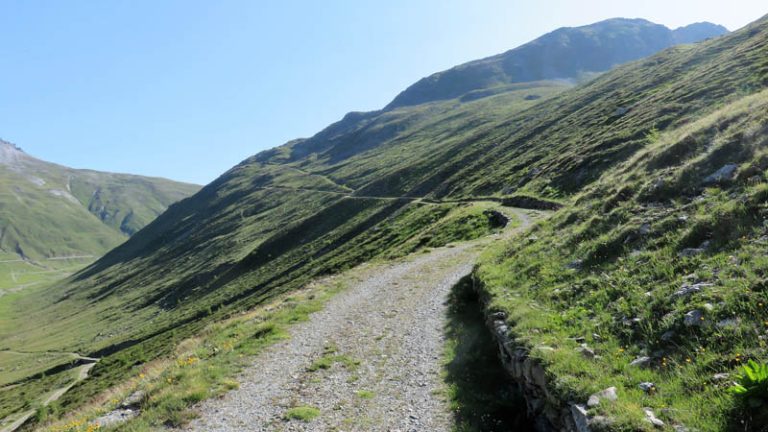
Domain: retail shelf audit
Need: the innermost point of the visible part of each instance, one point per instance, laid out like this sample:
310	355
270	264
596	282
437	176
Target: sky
185	89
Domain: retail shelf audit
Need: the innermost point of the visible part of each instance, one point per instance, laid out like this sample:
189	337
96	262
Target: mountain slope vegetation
56	220
51	211
375	185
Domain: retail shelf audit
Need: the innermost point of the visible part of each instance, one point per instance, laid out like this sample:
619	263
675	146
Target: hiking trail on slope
371	360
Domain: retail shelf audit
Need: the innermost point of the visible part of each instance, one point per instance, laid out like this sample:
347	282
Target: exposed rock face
10	155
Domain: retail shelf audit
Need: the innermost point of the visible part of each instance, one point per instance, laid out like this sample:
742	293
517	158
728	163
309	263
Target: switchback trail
371	360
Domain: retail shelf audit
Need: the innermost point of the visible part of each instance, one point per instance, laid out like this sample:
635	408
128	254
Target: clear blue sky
187	88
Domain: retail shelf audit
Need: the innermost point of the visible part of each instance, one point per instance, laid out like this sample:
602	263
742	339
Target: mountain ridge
51	210
561	54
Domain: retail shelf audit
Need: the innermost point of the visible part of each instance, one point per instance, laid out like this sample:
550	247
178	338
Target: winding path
81	374
382	342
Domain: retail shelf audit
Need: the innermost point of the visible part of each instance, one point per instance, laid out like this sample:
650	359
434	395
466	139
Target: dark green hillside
378	185
562	54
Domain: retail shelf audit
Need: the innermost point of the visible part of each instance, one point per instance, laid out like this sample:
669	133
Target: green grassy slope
318	205
49	211
637	235
259	230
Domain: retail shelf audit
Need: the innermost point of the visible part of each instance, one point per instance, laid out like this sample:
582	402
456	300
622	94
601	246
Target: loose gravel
382	345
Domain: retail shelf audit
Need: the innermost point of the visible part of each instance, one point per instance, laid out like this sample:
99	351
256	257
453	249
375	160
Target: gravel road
381	341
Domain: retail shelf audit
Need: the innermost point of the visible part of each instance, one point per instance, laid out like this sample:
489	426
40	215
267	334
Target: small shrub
365	394
302	413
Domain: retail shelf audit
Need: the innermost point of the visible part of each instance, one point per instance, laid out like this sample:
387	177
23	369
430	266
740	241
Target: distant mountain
48	210
696	32
562	54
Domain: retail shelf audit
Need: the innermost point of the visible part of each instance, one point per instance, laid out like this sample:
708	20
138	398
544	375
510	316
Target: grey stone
724	174
133	400
645	229
580	417
689	252
116	417
647	387
721	377
499	315
651	418
586	352
694	318
687	290
643	361
729	323
608	394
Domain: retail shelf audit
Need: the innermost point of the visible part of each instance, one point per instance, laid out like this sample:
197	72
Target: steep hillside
652	281
565	53
50	211
380	184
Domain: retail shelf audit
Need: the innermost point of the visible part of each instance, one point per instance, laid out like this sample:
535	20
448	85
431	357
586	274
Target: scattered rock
116	417
501	328
689	252
687	290
629	322
647	387
643	361
133	400
586	352
575	264
724	174
580	417
608	394
499	315
719	377
651	417
729	323
645	229
694	318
